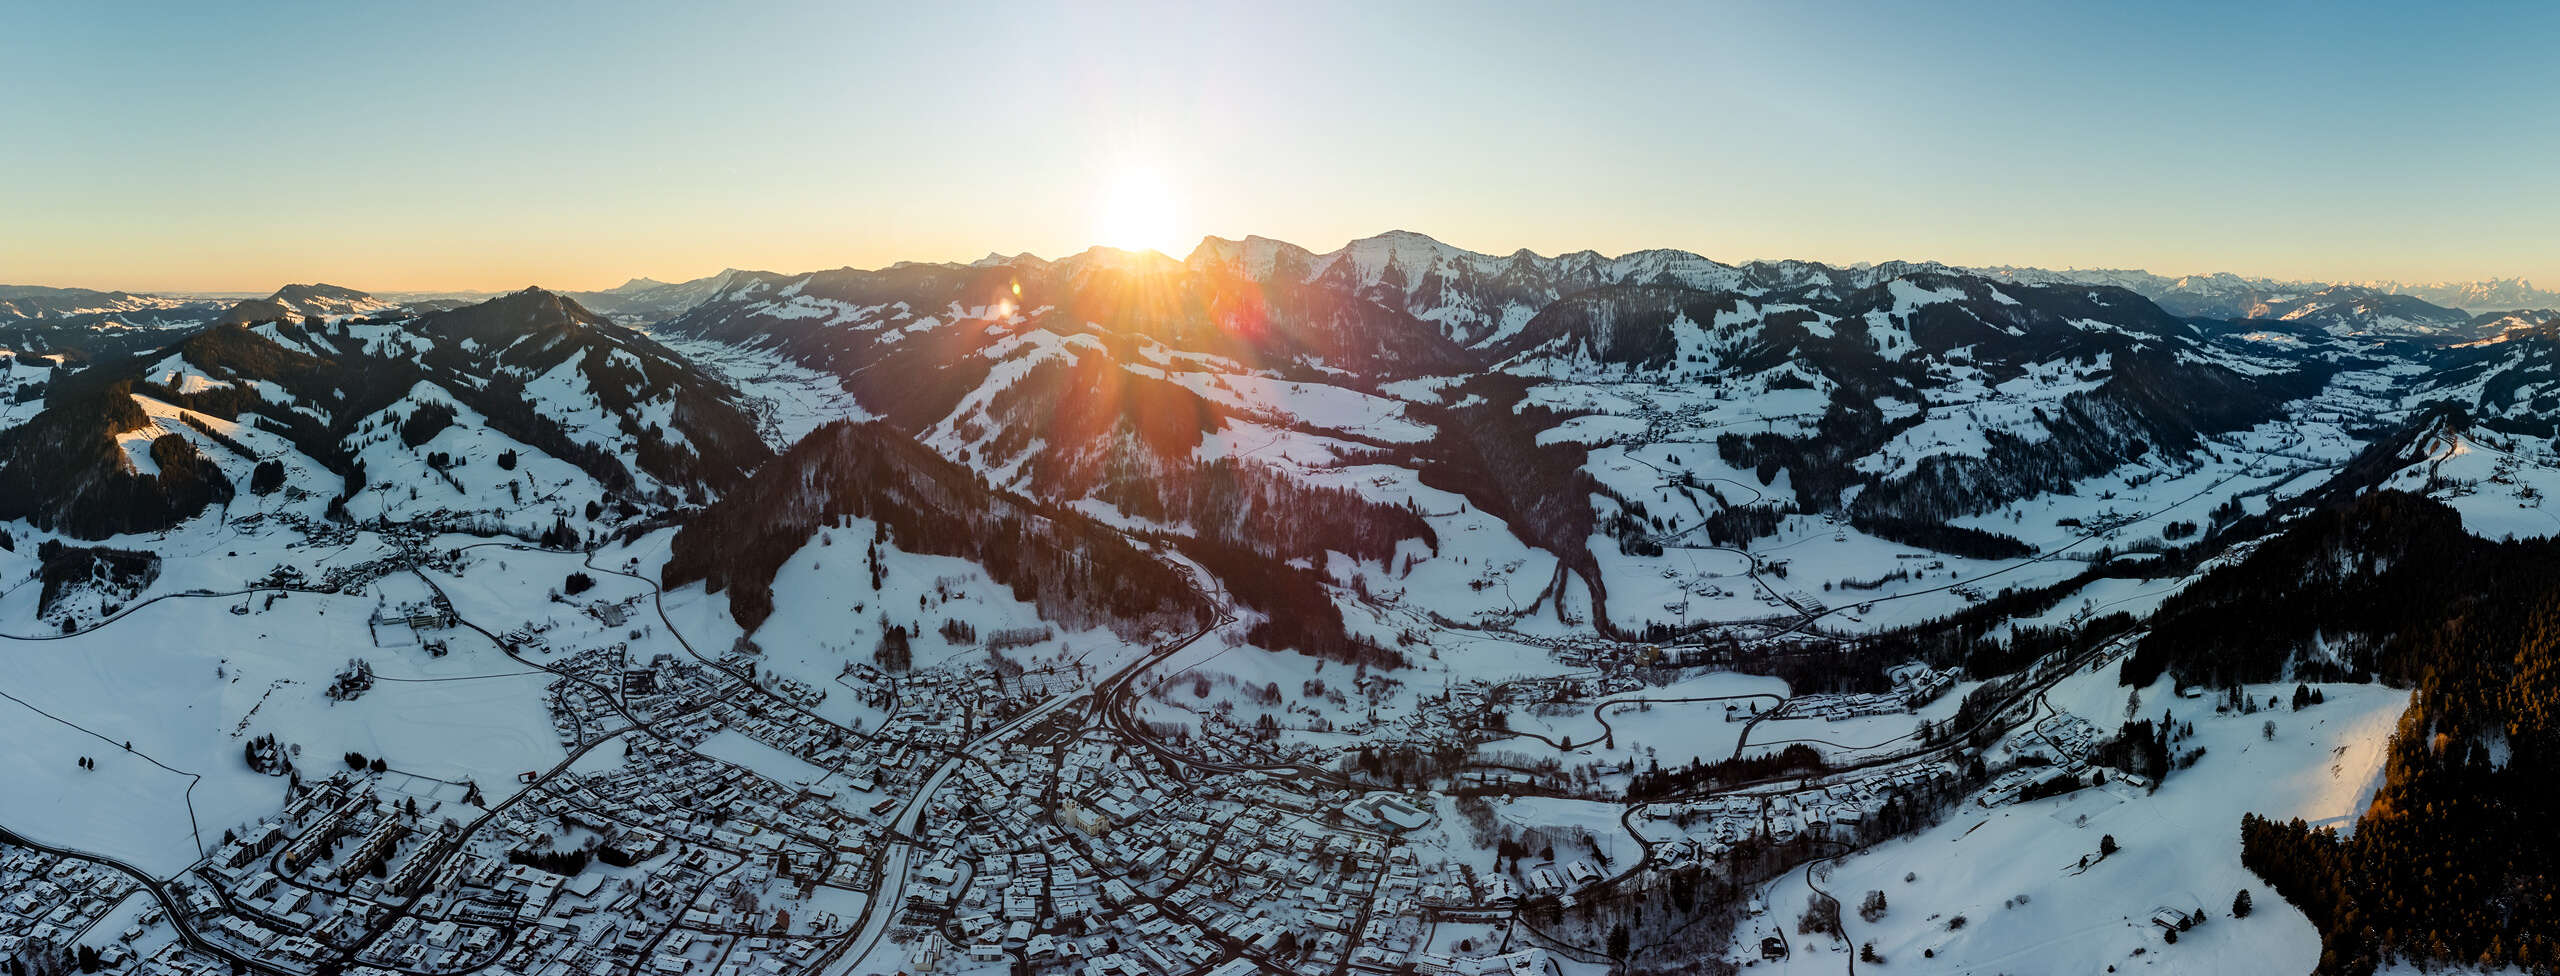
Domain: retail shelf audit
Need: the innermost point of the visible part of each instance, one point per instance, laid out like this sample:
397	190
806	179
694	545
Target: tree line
2455	861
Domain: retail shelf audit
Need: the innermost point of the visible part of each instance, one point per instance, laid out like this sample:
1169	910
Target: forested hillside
2455	862
1073	569
533	372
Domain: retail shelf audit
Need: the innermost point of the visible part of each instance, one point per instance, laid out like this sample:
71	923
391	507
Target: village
739	833
721	813
48	899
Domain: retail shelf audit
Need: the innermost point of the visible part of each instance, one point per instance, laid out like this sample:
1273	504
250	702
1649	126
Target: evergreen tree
266	477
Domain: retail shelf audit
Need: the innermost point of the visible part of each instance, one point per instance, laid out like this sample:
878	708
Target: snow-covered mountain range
1902	398
2486	295
1700	573
1917	402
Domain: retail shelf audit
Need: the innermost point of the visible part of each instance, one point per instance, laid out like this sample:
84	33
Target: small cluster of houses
399	624
1712	827
1914	685
2071	736
2023	780
660	831
666	916
1073	857
1264	875
1220	735
671	851
1920	684
2058	747
667	684
793	731
1386	811
313	881
49	901
1453	718
1558	689
664	796
581	711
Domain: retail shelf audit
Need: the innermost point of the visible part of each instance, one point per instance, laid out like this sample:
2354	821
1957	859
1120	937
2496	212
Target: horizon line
999	256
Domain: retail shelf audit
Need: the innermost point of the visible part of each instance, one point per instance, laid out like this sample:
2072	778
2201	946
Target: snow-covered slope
525	411
645	302
306	303
2382	309
2486	295
37	302
2021	887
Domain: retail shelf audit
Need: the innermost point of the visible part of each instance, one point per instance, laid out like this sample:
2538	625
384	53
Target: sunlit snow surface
2013	872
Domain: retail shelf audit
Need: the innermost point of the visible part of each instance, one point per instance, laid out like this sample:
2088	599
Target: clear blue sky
239	145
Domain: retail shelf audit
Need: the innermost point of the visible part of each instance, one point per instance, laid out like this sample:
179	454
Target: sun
1138	212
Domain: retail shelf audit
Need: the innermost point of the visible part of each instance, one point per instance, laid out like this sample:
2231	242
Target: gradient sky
236	146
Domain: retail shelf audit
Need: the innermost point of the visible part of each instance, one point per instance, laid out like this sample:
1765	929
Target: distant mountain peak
1105	256
255	310
1255	256
645	301
1405	236
531	309
297	302
317	290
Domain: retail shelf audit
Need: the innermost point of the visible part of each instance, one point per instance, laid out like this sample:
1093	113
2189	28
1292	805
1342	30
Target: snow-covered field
187	683
2500	492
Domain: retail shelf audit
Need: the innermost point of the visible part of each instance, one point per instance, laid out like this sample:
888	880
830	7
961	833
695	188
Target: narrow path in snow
1608	733
193	827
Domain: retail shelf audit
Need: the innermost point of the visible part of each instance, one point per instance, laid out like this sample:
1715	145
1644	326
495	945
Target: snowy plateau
1399	609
